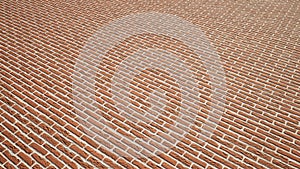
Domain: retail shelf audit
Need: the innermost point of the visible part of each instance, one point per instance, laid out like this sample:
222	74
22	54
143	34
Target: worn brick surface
257	41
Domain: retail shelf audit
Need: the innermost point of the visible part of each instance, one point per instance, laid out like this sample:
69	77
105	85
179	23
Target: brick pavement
44	124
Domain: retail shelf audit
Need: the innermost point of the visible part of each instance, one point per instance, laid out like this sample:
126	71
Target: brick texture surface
256	40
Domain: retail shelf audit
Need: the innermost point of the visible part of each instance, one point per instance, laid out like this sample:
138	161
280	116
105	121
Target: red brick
256	165
55	161
139	164
167	165
8	117
9	166
38	148
24	147
289	155
23	137
52	149
66	151
26	158
37	166
68	162
10	146
23	166
225	162
10	136
195	160
125	163
240	163
40	160
79	151
110	163
181	159
269	165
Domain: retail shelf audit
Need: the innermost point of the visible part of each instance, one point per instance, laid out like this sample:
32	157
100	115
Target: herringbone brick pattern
258	45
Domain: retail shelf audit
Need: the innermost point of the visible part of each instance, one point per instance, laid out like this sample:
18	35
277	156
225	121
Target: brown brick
55	161
225	162
23	166
68	162
9	166
24	147
38	148
9	136
26	158
194	159
40	160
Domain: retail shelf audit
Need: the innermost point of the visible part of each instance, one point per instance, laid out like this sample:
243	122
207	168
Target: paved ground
49	120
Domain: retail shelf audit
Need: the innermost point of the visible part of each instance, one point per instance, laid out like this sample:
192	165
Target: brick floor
59	109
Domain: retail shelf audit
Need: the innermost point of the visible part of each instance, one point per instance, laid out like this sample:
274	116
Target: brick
10	136
26	158
196	160
51	149
256	165
267	164
278	163
61	139
40	160
10	146
289	155
110	163
95	153
26	139
9	166
139	164
38	148
2	138
240	163
181	159
221	153
125	163
46	128
8	117
79	151
2	159
263	143
90	141
24	147
168	159
225	162
58	120
108	153
23	166
37	166
166	165
55	161
295	164
210	161
66	151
